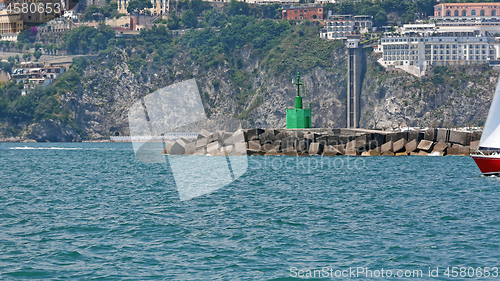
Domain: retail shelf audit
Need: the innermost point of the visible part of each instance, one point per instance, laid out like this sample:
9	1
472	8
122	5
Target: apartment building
341	26
303	12
160	7
414	52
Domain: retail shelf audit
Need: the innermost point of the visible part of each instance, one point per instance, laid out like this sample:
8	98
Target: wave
45	148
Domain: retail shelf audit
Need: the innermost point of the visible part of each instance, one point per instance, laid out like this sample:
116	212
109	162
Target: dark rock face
388	100
53	131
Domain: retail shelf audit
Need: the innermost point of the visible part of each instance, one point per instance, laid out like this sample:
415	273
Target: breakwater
327	142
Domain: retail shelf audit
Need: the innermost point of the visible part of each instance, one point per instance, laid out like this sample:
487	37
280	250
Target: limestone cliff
453	96
447	96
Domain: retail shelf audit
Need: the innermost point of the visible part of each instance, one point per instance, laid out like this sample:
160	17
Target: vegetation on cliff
243	66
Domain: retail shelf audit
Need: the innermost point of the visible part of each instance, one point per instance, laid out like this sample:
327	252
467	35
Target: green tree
37	54
197	6
189	19
91	13
26	56
157	35
173	22
238	8
380	18
213	18
139	5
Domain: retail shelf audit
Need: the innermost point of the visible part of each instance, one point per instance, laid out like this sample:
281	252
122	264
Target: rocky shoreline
328	142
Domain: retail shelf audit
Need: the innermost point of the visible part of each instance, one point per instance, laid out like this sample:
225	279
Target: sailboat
487	157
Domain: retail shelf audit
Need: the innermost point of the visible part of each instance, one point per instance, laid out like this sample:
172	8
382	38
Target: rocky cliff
257	94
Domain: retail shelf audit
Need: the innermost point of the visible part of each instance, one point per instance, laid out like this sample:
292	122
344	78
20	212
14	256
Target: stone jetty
327	142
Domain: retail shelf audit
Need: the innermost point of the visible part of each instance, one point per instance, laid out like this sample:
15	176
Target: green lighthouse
298	117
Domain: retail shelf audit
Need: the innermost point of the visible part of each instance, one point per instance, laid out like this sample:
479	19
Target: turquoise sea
91	211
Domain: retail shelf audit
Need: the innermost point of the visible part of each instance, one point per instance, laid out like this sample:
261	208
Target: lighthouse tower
298	117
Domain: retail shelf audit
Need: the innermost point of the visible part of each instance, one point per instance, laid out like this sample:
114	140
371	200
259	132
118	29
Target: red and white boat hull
488	164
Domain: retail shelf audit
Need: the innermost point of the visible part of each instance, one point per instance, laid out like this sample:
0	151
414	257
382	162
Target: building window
473	12
448	13
456	13
464	13
481	13
494	12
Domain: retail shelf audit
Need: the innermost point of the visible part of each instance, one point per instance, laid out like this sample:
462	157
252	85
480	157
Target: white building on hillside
416	46
341	26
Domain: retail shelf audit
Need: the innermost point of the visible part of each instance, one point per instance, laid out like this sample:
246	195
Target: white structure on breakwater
168	137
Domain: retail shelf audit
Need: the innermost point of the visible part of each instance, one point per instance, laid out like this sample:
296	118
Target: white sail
491	132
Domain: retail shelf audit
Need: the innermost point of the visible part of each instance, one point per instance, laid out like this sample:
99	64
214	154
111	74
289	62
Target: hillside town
455	34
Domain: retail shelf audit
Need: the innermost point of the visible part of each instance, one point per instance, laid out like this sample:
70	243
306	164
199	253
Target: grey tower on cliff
354	81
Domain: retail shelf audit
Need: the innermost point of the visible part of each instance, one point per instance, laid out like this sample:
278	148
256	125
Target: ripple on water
90	211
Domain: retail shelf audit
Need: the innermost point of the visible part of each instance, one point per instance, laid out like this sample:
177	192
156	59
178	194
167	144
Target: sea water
92	211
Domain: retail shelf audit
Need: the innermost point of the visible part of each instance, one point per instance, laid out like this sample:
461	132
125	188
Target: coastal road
45	58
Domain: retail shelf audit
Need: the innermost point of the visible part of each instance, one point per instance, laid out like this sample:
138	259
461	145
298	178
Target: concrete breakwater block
190	148
474	145
441	146
377	139
323	139
288	142
167	146
333	140
414	135
475	136
179	148
425	145
252	152
373	152
386	147
201	142
331	151
308	142
201	151
267	137
458	149
399	146
272	152
213	148
281	135
452	151
267	147
394	137
240	148
442	135
203	134
213	137
411	146
340	148
430	135
253	134
350	148
254	145
303	144
458	137
290	151
316	148
345	139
